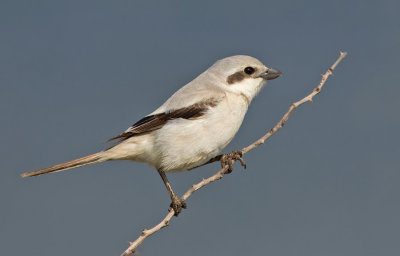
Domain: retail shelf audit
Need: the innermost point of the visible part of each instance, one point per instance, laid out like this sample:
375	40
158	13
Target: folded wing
157	121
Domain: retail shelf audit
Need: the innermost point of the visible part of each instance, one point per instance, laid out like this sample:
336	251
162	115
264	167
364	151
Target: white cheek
249	87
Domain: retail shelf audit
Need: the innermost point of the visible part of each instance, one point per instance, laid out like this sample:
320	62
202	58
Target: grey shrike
191	127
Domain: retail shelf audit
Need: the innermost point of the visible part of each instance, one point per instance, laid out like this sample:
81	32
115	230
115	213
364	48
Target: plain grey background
75	73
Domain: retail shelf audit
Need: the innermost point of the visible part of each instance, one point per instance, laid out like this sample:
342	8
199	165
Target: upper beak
271	74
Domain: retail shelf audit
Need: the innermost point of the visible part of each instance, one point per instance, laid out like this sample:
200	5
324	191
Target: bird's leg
177	203
230	158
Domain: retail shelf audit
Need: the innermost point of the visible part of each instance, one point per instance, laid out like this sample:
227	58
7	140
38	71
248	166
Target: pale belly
184	144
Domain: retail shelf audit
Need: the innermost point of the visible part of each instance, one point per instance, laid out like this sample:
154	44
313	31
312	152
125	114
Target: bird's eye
249	70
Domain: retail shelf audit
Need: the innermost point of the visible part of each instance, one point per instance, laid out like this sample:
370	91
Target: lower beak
271	74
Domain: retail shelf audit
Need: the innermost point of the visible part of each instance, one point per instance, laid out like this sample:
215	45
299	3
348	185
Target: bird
193	126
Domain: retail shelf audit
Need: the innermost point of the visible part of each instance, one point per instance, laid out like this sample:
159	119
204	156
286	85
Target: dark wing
156	121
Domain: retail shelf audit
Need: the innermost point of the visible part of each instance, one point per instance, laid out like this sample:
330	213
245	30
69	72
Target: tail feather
90	159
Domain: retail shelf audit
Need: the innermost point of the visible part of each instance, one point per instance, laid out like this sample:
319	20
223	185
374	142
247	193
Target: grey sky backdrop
75	73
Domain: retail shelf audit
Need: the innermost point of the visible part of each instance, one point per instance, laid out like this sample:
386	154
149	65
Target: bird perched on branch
193	126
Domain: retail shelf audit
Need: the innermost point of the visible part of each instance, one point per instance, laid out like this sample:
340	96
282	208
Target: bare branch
294	105
225	169
147	232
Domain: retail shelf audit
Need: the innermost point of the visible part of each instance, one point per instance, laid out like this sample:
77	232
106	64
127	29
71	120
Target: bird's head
243	74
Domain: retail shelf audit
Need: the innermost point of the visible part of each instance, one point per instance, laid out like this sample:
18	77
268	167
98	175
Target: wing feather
157	121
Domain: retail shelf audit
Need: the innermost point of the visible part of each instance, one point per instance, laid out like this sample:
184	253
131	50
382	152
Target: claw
177	205
229	160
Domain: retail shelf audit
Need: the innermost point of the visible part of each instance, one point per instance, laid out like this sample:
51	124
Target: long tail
90	159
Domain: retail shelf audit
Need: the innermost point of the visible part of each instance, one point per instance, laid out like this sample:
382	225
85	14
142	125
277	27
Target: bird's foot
230	158
177	205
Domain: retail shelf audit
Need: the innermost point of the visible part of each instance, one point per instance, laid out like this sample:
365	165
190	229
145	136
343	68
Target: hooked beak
271	74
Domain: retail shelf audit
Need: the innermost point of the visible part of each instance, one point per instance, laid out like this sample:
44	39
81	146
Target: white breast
183	144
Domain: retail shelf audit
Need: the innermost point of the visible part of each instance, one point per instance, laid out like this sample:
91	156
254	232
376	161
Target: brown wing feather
155	122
